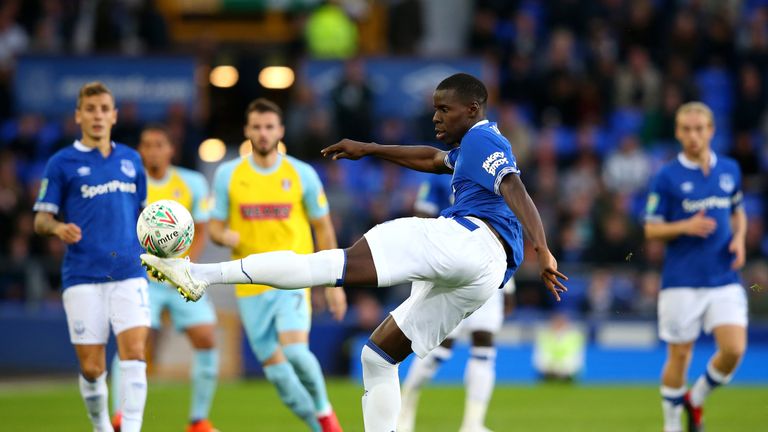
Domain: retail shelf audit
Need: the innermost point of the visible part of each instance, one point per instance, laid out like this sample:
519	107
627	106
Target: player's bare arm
325	239
698	225
737	245
46	224
420	158
521	204
222	235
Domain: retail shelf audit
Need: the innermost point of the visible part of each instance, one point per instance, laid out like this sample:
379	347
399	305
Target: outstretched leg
281	269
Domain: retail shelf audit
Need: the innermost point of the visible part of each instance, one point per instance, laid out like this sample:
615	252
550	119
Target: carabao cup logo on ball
165	229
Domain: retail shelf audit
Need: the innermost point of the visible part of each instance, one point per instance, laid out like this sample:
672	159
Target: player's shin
708	381
114	383
204	374
381	400
672	408
292	393
134	392
282	269
311	375
95	396
479	379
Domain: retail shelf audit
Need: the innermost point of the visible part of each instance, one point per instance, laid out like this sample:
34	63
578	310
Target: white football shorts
455	266
91	308
684	311
488	318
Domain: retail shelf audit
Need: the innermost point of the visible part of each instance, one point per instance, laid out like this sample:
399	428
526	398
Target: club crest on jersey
126	166
84	171
727	184
286	184
686	187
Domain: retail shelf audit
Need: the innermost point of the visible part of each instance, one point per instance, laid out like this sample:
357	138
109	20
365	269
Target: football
165	229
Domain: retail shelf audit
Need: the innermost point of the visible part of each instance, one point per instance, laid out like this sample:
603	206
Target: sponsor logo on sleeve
494	161
43	188
652	204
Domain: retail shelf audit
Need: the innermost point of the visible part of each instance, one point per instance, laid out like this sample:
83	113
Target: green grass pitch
252	405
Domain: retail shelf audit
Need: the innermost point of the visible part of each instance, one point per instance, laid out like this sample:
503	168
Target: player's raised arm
521	204
420	158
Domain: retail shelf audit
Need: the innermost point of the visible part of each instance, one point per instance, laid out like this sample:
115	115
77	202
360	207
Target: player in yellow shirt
264	202
197	320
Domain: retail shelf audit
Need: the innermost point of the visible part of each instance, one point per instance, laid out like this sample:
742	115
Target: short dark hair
262	105
467	87
158	127
92	88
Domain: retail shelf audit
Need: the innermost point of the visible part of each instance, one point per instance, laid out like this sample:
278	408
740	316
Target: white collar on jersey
84	148
480	123
684	161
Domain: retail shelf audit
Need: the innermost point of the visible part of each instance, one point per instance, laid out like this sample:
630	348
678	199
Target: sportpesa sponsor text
692	206
108	187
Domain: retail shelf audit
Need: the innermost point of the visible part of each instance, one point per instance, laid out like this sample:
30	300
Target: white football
165	229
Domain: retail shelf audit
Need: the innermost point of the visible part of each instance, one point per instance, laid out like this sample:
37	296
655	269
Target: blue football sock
114	383
309	372
292	393
204	376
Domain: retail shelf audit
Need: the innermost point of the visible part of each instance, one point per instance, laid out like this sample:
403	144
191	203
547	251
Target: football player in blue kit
90	197
456	262
695	205
436	194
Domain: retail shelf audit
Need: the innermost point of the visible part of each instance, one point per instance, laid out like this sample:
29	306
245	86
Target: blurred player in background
197	320
97	189
270	201
455	262
435	195
695	205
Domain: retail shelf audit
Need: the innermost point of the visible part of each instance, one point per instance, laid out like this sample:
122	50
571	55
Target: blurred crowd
586	92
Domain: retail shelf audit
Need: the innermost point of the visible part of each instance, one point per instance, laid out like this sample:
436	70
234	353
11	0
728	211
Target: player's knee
482	339
296	351
679	354
733	352
91	371
447	343
204	340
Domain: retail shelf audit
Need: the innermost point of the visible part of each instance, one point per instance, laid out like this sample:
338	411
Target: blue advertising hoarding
402	86
49	85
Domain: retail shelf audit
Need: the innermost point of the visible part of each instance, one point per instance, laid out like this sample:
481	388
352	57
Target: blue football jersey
479	164
435	194
680	190
103	196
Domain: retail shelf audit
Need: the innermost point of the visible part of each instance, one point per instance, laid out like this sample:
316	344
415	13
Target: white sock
134	393
95	395
708	381
381	400
420	373
282	269
479	379
672	408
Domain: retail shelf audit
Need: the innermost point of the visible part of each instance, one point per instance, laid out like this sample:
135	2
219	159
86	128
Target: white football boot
177	272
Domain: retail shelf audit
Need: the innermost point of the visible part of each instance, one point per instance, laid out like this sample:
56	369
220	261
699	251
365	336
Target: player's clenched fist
346	149
68	232
700	225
